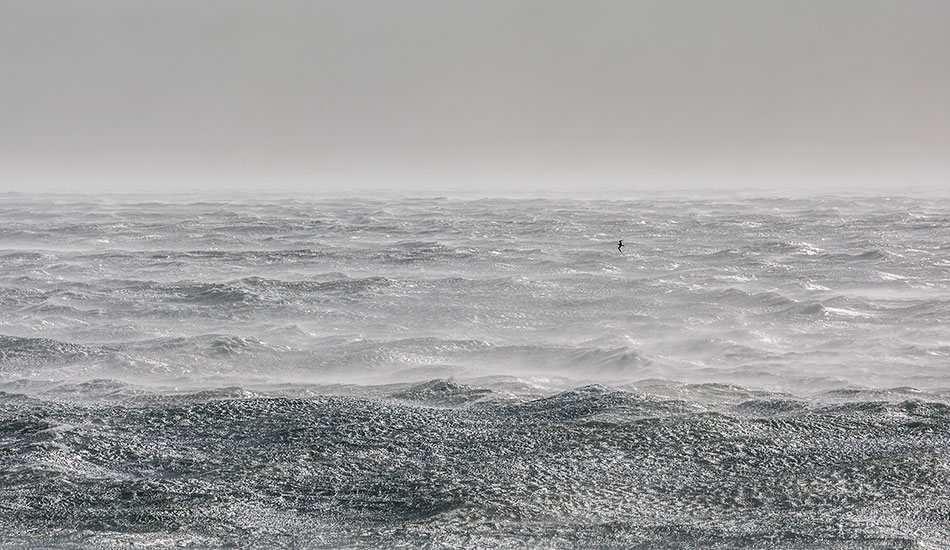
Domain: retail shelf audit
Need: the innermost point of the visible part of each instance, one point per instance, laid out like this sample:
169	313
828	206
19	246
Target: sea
263	371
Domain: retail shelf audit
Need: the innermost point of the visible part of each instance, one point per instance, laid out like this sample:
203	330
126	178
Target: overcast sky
136	95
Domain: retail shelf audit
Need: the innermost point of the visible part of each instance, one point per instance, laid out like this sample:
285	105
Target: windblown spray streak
353	373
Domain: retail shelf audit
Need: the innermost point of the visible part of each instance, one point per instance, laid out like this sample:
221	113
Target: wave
208	294
740	298
267	372
742	289
481	357
603	404
345	286
873	255
16	350
409	252
233	467
443	393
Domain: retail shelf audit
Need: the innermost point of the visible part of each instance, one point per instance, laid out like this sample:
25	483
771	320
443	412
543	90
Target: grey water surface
286	372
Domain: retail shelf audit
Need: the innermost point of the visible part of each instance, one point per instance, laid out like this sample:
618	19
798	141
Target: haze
492	96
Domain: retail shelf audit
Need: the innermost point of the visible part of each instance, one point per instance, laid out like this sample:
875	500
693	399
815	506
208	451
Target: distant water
291	373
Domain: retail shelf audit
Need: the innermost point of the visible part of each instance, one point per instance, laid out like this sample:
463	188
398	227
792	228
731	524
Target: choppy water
291	373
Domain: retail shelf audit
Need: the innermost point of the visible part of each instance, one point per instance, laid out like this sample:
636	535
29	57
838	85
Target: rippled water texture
296	373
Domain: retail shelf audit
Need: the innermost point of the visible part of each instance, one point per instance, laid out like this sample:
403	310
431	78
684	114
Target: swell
593	467
16	351
706	289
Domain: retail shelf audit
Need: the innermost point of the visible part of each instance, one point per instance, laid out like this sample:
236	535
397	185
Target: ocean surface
285	372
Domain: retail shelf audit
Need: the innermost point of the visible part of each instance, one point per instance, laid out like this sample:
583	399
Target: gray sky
136	95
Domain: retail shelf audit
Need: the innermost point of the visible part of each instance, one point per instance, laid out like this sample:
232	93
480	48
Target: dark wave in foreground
442	464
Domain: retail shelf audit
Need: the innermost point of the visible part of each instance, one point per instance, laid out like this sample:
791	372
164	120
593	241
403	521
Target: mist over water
291	372
784	295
